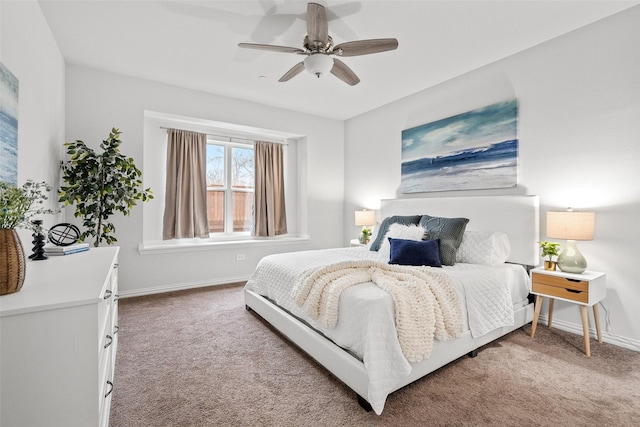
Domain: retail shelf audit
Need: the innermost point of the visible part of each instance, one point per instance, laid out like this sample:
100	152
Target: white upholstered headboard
517	216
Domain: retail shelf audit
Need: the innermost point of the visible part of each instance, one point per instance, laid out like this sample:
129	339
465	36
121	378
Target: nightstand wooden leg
551	301
596	318
585	329
536	314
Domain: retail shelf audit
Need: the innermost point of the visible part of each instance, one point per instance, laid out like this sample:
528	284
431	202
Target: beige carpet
198	358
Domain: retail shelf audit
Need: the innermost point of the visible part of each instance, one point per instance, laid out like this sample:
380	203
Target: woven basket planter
12	262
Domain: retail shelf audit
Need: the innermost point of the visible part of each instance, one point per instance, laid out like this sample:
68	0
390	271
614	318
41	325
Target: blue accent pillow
384	227
415	252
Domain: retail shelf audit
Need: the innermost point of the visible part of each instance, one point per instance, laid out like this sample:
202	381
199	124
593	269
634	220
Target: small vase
12	262
550	265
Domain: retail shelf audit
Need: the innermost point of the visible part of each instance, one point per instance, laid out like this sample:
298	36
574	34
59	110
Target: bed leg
246	307
365	405
473	353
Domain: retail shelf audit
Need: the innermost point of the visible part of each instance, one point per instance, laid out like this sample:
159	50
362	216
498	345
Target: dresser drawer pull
116	297
574	280
110	384
116	328
573	291
107	294
116	265
110	338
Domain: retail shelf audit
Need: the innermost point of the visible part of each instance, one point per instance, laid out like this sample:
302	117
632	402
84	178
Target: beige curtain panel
270	218
185	208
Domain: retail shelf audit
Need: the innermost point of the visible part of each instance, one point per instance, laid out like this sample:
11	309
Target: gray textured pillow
449	231
384	227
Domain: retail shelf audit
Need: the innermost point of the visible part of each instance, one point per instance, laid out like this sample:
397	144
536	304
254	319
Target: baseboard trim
180	287
607	336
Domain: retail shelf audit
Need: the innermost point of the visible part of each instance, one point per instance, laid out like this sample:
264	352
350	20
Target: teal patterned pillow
449	231
384	227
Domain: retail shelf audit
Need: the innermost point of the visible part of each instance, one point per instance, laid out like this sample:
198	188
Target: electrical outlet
240	257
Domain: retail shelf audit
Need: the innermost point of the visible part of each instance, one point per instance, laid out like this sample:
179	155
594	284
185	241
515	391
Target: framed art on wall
8	127
469	151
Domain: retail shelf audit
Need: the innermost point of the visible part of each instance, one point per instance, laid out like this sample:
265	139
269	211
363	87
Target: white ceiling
193	44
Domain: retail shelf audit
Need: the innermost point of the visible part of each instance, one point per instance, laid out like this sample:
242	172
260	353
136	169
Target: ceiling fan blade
272	48
294	71
365	47
344	73
317	25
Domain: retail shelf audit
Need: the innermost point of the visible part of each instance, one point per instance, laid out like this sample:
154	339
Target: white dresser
58	339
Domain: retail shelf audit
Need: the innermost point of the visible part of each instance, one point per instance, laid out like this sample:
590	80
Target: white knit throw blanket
426	304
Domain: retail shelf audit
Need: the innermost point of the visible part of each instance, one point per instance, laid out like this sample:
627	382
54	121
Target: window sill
160	247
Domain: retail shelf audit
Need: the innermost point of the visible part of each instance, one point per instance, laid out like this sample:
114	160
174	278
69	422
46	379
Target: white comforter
366	314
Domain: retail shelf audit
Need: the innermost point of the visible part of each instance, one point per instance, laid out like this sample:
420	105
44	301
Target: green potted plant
100	184
549	249
18	207
365	235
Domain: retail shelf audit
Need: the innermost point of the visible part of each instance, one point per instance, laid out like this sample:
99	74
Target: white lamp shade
365	218
318	64
570	225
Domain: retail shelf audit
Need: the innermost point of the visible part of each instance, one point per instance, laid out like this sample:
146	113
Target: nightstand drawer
560	292
560	282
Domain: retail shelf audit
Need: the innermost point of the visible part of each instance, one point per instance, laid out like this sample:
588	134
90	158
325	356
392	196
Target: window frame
228	187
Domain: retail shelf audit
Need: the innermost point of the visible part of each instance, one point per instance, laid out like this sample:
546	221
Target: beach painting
8	127
473	150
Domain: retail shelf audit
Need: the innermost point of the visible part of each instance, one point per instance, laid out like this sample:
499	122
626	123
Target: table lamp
572	226
366	219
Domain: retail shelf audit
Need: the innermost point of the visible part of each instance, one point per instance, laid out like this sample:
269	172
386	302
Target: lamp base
571	260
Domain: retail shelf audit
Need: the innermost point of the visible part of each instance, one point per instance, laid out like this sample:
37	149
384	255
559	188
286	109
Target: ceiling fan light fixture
318	64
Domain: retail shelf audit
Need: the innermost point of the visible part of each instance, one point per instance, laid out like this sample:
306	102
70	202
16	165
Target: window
229	187
220	134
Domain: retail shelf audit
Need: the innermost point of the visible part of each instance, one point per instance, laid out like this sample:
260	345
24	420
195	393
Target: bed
364	345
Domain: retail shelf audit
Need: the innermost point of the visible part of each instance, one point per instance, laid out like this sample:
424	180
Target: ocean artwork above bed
469	151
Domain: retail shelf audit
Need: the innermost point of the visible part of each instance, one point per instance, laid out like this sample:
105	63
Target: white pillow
400	231
484	247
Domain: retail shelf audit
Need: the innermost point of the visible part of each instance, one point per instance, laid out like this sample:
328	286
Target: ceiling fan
318	47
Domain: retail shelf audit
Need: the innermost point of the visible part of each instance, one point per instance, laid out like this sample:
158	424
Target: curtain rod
230	138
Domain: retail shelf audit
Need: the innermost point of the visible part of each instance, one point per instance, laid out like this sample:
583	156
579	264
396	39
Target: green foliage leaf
100	184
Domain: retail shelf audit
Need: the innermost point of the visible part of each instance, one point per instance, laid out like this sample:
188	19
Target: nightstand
356	242
586	289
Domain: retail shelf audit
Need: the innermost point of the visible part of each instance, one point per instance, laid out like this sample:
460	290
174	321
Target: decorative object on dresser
572	226
18	205
59	341
365	219
64	234
12	262
100	184
66	250
38	241
586	289
549	249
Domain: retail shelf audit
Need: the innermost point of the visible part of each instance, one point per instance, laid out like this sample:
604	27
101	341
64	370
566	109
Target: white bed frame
518	216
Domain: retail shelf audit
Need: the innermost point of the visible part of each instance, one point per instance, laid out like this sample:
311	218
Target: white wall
30	52
98	101
579	116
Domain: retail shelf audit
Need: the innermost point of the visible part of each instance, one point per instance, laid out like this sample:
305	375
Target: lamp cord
607	328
